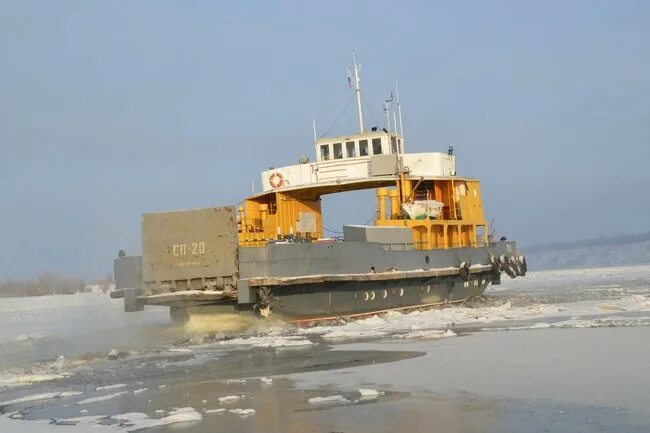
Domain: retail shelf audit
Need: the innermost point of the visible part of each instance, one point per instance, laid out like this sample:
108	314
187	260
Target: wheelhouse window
363	147
338	150
376	146
324	152
350	150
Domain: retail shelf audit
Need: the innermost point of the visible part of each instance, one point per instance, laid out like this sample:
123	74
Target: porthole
372	295
366	296
427	259
384	294
401	292
428	288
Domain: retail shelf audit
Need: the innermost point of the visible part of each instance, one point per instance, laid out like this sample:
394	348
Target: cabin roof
358	136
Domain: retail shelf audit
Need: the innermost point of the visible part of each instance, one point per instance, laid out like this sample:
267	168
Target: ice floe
242	412
39	397
229	398
213	411
369	392
332	399
14	380
116	386
102	398
137	421
231	381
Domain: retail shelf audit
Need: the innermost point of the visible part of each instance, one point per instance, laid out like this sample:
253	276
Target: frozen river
554	351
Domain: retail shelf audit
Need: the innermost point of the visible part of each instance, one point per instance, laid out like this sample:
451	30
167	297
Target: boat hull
306	303
307	282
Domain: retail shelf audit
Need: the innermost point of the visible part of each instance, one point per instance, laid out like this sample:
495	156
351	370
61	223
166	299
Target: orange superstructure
297	212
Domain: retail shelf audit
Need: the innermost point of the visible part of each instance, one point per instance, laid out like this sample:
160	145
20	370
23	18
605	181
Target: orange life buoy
276	180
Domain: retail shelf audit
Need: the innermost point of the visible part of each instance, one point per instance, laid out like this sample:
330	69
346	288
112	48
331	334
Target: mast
357	89
399	110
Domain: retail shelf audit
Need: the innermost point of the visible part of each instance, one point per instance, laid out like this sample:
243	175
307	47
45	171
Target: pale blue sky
110	109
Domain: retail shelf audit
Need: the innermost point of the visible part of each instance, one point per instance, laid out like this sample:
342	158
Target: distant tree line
48	283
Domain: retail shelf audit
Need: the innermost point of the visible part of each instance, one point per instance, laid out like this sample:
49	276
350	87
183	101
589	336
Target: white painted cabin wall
430	164
420	164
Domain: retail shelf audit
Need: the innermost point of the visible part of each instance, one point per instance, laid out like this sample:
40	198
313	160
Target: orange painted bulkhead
276	215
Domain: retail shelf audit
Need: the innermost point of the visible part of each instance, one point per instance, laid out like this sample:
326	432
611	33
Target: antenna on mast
313	122
357	89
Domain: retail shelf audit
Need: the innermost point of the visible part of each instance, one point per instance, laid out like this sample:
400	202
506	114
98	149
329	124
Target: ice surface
266	380
269	341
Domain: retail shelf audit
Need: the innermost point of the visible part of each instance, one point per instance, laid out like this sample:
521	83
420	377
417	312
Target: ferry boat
429	244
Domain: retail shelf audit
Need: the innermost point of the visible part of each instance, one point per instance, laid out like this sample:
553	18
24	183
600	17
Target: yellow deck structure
280	213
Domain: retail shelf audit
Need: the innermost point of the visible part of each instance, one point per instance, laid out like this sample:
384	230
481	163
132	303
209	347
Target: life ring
276	180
